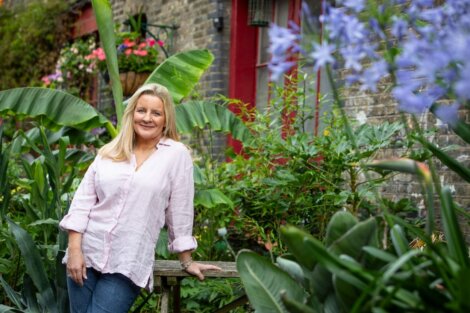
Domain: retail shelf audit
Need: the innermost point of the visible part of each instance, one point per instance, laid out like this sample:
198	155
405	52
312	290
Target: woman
139	181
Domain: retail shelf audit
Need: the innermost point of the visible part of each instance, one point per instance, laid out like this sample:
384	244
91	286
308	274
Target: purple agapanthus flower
411	102
278	69
373	75
448	113
322	54
430	59
353	57
355	5
399	27
462	86
283	43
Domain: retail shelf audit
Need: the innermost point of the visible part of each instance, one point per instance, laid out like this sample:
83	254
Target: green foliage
358	273
35	196
210	295
288	175
255	272
31	34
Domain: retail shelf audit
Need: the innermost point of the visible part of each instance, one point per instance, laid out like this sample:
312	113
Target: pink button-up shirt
120	211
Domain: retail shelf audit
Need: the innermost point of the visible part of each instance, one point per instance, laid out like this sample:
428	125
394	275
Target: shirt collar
165	142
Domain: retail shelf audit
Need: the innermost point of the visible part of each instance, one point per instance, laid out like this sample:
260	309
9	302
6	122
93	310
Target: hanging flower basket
131	81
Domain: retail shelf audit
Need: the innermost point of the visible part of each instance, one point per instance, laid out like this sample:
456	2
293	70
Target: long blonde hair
121	147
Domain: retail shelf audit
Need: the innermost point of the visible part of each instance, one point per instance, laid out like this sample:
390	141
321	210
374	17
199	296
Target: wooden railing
168	276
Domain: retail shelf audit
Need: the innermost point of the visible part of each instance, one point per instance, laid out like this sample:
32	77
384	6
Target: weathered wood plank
172	268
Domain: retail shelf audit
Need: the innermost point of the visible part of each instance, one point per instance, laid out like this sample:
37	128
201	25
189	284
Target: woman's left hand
197	269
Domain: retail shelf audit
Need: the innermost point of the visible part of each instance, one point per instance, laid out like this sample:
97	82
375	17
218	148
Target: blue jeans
102	293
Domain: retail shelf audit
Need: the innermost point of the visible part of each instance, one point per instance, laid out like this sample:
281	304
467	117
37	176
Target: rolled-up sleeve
84	199
180	212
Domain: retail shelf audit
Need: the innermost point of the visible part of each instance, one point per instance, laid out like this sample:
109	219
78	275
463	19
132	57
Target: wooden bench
168	276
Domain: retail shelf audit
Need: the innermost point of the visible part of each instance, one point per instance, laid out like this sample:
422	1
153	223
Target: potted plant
137	58
74	71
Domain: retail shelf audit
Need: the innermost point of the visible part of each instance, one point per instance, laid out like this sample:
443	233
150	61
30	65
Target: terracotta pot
131	81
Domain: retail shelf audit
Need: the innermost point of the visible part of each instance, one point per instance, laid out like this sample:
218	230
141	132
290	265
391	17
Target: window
279	17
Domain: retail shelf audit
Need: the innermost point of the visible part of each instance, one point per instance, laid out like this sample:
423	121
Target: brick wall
381	106
195	30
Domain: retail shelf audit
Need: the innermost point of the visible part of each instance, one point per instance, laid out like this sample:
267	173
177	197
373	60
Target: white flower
222	231
361	117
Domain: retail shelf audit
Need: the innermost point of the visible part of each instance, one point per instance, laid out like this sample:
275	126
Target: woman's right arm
84	199
76	267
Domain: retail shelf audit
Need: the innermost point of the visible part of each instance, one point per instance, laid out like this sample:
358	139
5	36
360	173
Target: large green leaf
264	282
199	114
360	235
34	266
54	108
339	224
181	72
210	198
293	269
294	238
104	20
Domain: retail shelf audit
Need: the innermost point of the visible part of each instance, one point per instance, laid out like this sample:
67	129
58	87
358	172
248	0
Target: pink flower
151	42
100	54
129	43
128	52
160	43
141	53
96	54
142	45
46	80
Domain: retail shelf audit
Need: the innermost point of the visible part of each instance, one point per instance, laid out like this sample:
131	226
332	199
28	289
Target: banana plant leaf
34	266
199	114
104	20
181	72
54	108
264	283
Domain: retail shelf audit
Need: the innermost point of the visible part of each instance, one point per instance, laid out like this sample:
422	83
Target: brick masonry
381	106
195	30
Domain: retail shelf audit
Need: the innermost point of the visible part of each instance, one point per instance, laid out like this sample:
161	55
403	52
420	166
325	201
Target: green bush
31	36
